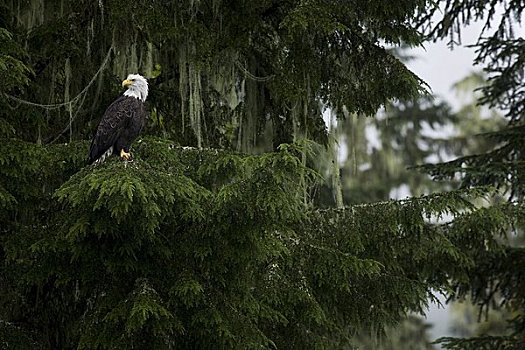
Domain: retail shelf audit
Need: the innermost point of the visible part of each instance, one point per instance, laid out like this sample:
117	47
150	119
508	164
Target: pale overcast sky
441	67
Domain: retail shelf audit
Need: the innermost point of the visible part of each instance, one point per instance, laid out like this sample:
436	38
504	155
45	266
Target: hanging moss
270	61
190	89
249	123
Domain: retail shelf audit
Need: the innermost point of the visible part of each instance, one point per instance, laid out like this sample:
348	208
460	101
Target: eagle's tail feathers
103	157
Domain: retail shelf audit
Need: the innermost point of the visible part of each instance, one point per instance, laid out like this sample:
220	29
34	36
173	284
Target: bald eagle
121	123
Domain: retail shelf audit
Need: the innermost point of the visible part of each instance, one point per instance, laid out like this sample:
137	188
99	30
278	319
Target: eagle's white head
137	86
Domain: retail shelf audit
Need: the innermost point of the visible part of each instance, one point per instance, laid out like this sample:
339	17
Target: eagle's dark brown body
120	125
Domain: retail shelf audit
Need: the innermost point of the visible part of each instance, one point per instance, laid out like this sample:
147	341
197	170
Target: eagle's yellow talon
124	155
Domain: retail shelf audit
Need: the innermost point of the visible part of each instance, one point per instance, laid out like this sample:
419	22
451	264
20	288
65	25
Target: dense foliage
210	247
185	248
224	73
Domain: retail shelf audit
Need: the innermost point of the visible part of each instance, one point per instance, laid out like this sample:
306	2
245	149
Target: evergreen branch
482	343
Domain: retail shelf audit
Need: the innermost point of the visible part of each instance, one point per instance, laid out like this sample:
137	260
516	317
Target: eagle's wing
113	123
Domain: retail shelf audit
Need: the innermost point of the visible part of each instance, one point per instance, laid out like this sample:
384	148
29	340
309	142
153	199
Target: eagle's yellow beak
126	83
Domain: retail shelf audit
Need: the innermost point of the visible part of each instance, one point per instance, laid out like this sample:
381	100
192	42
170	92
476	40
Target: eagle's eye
132	79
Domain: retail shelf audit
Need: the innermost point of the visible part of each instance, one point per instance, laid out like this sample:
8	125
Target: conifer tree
495	280
215	246
375	168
